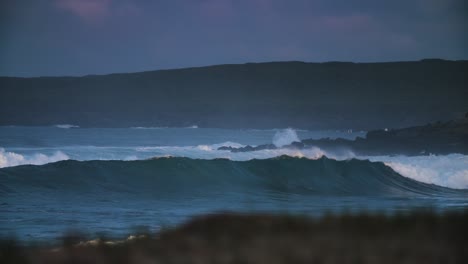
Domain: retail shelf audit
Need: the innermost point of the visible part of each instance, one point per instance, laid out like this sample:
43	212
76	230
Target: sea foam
9	159
448	170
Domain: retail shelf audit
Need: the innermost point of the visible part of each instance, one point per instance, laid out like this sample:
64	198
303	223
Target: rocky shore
439	138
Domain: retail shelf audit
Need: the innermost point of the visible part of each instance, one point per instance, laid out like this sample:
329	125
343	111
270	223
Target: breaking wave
9	159
175	176
448	171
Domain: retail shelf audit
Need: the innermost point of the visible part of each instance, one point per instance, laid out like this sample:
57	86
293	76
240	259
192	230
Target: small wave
66	126
163	127
149	127
188	149
212	152
226	144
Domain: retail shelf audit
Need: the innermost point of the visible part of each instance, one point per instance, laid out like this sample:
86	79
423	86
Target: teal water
107	180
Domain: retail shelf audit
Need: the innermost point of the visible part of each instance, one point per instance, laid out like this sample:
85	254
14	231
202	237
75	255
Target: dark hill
264	95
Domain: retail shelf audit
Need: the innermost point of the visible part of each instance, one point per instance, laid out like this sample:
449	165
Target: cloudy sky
79	37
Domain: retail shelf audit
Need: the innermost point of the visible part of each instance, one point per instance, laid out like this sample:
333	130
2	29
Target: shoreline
413	237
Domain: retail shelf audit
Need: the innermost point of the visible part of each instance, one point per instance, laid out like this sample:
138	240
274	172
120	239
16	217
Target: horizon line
232	64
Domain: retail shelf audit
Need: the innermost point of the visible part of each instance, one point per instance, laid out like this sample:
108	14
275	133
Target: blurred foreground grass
417	237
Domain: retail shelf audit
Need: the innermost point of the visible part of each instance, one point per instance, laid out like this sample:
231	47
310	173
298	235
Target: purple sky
78	37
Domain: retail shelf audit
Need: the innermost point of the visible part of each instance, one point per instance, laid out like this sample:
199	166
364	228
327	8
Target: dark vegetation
417	237
436	138
330	95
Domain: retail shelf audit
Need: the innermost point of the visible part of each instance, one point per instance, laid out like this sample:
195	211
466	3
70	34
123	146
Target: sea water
115	180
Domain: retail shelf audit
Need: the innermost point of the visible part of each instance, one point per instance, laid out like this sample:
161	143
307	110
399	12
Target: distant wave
164	127
188	149
182	176
66	126
148	127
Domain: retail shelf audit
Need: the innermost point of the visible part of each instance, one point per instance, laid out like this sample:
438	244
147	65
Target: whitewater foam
9	159
449	170
212	152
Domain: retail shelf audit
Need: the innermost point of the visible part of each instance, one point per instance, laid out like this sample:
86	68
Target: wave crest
184	176
450	170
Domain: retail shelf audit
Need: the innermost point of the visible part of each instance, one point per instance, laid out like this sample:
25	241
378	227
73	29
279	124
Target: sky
80	37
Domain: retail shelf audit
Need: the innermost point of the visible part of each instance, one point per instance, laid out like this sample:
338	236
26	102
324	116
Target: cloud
89	10
183	33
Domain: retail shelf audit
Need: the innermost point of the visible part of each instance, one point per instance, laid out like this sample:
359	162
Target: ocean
117	181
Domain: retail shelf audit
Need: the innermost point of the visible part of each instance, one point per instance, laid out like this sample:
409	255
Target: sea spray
285	137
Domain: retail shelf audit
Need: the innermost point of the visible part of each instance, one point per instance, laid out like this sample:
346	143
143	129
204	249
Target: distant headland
332	95
439	138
